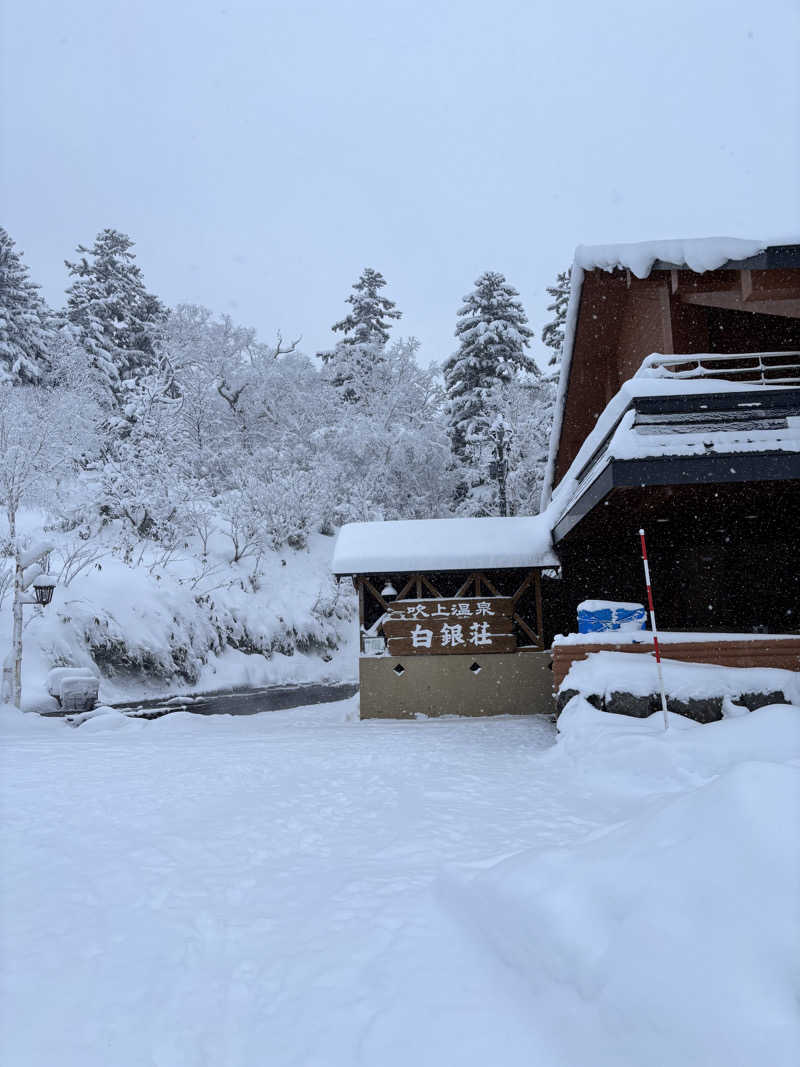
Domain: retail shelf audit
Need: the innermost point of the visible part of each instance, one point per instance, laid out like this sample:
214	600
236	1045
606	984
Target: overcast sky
260	153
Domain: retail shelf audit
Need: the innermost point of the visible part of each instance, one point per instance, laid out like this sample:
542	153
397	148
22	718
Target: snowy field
300	888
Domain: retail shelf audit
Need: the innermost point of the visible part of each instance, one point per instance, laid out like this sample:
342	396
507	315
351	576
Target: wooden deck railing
765	368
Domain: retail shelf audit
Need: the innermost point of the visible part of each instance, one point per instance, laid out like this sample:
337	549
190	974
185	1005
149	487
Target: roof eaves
774	257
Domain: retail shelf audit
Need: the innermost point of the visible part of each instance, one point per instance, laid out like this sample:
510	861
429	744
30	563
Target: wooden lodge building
678	410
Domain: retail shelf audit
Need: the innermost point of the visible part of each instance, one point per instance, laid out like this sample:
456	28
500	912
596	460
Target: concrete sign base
394	687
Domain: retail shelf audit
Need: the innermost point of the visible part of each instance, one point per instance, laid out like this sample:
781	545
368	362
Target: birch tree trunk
16	627
12	667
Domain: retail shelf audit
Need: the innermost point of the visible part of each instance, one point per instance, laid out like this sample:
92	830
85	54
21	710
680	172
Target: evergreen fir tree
26	325
553	333
366	333
366	323
493	333
119	321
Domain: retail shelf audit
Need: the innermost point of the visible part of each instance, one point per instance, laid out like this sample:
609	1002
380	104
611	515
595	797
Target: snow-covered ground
301	888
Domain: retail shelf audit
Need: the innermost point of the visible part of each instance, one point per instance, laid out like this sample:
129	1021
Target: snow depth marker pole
653	626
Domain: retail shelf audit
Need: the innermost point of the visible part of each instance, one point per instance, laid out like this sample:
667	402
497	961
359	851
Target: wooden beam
360	588
430	588
666	320
371	588
523	587
524	626
489	585
539	612
466	584
775	281
406	588
785	304
418	583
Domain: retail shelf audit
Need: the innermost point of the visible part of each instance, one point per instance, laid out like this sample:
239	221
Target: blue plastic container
598	616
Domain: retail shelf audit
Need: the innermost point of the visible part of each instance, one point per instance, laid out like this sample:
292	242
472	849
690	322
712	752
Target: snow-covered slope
181	624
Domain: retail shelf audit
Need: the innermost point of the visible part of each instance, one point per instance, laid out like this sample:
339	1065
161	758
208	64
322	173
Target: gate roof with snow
411	545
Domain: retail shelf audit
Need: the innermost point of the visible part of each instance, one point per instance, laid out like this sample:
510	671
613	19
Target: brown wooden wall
622	319
766	652
723	557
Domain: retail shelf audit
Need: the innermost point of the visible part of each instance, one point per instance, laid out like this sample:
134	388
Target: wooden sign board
474	607
454	626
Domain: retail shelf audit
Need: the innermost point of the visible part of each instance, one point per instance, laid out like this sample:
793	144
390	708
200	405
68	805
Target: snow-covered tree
365	333
493	335
119	320
553	332
43	434
527	407
366	323
26	324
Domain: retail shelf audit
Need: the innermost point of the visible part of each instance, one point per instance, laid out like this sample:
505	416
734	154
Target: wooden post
361	618
539	614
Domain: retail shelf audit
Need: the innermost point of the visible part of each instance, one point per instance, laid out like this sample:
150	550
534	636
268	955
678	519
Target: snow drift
672	936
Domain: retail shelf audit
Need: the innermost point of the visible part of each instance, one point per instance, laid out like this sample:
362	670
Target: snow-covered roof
698	254
617	436
443	544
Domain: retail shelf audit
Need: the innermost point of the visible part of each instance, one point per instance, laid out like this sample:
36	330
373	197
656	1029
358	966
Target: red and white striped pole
653	627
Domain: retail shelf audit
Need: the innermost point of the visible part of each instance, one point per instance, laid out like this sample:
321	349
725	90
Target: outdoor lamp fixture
43	587
388	591
31	586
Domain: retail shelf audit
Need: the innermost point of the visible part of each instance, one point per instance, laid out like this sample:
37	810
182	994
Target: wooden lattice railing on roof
764	368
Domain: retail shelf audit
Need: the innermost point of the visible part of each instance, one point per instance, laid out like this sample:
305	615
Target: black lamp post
43	587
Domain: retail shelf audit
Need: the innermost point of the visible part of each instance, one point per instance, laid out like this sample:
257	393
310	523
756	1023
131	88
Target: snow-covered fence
764	368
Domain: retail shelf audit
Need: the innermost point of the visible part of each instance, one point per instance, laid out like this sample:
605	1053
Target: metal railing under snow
765	368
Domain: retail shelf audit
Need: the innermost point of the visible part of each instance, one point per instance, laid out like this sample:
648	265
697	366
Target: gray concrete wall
519	683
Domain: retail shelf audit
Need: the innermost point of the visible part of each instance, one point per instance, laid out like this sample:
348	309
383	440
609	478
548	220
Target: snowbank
443	544
665	637
603	673
153	629
673	936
